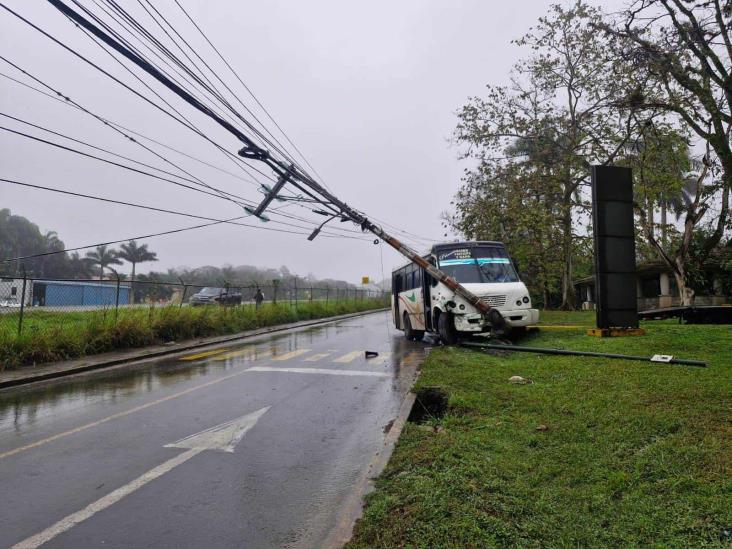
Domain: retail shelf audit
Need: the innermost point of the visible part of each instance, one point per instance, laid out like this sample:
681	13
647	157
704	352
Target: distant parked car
10	303
211	296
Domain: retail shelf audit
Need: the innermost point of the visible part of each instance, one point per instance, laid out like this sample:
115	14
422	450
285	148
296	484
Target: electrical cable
249	91
109	75
152	70
164	210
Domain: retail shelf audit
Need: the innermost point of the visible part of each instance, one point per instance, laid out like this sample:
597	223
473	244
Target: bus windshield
488	264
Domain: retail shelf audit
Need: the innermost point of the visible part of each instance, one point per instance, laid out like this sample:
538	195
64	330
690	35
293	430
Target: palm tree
79	267
134	254
103	257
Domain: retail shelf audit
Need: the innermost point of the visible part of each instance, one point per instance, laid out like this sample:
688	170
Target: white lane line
110	499
317	357
319	371
291	354
222	438
348	357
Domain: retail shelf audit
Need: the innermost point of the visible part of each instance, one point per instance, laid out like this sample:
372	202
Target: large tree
680	53
558	117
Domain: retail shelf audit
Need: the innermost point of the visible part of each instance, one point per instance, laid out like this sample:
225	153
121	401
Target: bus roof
450	245
466	244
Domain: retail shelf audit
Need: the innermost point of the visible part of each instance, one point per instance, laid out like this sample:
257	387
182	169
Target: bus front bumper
515	318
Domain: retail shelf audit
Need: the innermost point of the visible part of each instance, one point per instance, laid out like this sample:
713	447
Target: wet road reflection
65	445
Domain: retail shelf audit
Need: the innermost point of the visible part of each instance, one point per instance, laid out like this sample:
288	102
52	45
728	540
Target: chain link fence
36	305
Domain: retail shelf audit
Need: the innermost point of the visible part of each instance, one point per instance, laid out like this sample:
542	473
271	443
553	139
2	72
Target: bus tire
409	333
446	328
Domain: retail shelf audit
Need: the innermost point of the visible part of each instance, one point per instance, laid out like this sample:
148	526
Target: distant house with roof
64	293
656	288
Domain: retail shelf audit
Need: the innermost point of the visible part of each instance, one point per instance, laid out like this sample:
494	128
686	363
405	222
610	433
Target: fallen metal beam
548	351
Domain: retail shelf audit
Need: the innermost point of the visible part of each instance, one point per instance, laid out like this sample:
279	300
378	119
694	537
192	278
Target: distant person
258	298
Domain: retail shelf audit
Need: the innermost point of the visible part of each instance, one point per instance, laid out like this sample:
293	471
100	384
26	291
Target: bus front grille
494	300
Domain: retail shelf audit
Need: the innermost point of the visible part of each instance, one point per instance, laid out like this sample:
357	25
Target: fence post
296	296
275	284
311	294
22	303
327	295
116	299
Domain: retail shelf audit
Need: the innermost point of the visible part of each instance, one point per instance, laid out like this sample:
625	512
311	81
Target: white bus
422	304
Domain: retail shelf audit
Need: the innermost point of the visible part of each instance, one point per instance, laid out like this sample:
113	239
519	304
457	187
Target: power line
66	100
254	152
251	150
69	102
164	210
248	90
245	202
117	80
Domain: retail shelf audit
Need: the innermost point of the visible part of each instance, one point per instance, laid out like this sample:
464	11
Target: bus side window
398	282
418	278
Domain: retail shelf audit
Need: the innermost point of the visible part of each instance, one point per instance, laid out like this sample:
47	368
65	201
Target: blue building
54	293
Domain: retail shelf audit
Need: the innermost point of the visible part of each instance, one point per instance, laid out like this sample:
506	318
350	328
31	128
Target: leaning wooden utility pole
292	175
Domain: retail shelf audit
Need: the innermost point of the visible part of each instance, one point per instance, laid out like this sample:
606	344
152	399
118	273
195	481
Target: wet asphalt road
79	442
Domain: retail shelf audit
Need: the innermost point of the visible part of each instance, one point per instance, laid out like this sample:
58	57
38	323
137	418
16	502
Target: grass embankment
49	336
594	452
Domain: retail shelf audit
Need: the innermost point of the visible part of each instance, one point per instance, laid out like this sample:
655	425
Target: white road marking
291	354
317	357
222	437
348	357
319	371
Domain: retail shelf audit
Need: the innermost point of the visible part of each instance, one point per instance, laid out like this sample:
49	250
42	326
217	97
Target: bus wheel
408	331
446	327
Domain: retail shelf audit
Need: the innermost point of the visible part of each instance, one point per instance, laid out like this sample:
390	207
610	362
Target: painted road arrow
222	438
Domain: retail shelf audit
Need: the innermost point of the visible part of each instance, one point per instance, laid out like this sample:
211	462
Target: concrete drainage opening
430	404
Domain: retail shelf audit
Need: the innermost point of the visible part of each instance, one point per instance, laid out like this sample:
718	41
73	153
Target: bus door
397	285
427	297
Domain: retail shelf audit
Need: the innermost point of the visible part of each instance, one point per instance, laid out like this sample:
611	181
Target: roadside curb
88	364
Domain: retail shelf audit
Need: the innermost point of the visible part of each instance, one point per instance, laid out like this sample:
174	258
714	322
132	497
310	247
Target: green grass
594	452
50	336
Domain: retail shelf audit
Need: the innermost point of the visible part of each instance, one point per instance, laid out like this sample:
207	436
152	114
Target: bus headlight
526	299
518	302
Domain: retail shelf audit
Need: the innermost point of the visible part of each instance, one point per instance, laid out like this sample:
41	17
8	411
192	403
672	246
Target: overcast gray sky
367	90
